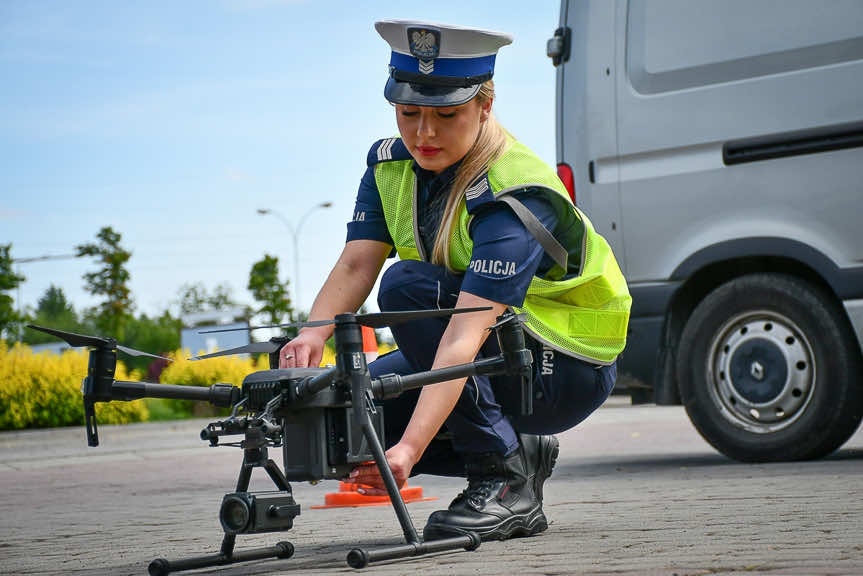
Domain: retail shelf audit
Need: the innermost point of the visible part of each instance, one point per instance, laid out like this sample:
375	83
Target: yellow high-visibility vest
584	312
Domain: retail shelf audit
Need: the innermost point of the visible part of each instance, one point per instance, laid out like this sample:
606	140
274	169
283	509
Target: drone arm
308	387
515	359
218	394
392	385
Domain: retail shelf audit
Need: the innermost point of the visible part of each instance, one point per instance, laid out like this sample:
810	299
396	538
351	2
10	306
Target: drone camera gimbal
325	420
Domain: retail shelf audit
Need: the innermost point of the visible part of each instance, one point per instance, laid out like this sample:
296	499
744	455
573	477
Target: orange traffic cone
348	496
370	344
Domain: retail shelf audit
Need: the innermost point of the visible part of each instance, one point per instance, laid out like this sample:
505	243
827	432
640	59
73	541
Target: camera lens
234	515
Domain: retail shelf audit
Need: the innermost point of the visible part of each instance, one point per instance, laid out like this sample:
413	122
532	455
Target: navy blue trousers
487	416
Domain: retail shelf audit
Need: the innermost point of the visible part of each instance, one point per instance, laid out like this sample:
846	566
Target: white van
718	146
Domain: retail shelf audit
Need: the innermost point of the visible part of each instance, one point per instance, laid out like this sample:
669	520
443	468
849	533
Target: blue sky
173	122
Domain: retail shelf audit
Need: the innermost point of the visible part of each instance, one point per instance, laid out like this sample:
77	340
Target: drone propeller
253	348
372	320
80	340
133	352
75	340
384	319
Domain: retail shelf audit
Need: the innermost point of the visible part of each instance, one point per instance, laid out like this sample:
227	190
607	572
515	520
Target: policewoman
476	219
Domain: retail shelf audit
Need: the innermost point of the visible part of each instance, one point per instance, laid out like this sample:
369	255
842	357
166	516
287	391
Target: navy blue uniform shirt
505	255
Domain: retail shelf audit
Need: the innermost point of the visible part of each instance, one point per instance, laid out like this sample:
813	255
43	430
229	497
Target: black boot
504	494
541	453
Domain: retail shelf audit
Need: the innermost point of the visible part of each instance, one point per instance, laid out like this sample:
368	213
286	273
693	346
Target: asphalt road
635	491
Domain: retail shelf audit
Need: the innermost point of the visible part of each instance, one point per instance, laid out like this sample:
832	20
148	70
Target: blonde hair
490	143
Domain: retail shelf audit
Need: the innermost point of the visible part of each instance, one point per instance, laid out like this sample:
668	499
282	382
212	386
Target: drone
325	420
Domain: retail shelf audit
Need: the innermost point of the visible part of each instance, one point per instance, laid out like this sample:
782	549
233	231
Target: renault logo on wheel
757	370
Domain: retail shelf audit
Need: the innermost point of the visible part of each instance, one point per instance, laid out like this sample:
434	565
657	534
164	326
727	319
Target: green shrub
44	390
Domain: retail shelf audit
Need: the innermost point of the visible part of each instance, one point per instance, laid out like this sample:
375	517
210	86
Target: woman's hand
305	350
401	459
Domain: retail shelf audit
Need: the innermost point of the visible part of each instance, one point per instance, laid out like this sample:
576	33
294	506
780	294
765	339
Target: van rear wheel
769	370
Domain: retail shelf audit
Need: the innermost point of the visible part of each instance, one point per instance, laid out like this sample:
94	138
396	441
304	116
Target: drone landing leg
162	567
255	456
360	558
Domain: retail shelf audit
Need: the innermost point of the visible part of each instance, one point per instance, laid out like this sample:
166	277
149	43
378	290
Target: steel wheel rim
764	332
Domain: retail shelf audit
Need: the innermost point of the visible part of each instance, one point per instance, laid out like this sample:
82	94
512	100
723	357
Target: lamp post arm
295	238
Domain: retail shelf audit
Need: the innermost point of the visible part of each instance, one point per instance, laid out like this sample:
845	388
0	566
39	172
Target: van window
678	44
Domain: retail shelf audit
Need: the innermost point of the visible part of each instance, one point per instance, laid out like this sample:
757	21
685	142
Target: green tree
55	311
157	335
193	298
221	298
8	281
196	298
111	282
269	292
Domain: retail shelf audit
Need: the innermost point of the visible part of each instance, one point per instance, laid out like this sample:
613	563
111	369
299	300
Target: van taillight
564	172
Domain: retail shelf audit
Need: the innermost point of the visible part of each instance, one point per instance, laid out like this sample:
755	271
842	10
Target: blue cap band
451	67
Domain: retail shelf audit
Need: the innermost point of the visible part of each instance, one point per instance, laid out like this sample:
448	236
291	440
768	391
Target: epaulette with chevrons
387	150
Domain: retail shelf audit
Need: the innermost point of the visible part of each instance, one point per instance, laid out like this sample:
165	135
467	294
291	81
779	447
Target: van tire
769	370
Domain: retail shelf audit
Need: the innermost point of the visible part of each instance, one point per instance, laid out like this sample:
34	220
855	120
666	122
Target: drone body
326	441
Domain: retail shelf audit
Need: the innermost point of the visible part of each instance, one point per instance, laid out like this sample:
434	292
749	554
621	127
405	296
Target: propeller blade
289	325
383	319
74	340
133	352
372	320
520	317
253	348
80	340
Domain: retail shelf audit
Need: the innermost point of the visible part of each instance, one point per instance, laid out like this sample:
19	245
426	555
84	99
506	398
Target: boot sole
548	458
515	526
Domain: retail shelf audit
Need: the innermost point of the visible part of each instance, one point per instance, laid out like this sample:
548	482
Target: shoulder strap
537	229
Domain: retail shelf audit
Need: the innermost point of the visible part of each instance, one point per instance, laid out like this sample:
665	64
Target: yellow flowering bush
329	357
222	369
44	390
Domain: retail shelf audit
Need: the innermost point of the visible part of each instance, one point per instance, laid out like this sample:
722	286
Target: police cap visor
427	95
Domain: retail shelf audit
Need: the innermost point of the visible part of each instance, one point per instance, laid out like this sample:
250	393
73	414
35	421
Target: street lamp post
19	261
295	235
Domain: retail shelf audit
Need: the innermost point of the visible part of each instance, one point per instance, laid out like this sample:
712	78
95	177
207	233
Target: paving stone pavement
635	491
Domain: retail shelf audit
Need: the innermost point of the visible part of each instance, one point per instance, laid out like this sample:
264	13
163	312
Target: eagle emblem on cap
424	43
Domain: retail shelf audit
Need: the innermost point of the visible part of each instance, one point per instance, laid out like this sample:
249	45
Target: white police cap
438	64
